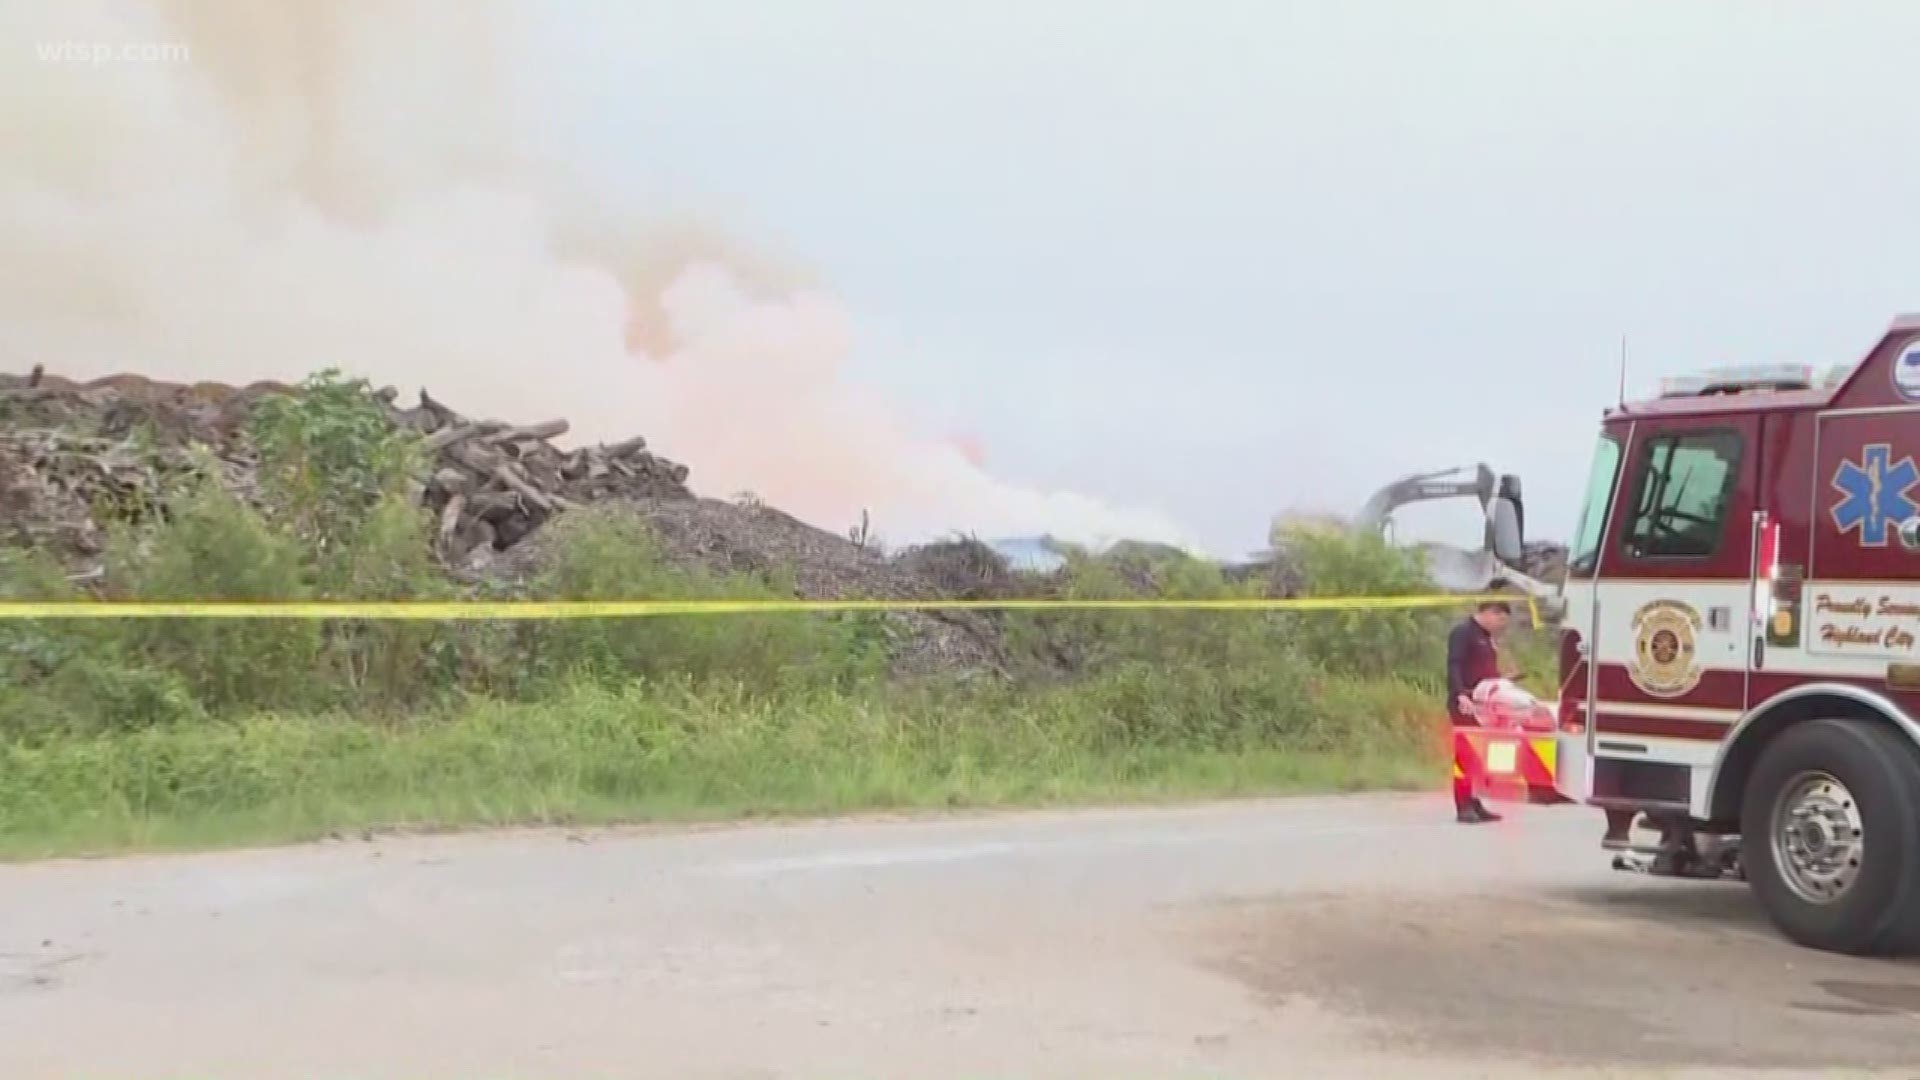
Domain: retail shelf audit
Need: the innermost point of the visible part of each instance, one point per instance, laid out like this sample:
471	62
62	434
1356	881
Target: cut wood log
546	429
457	433
450	520
452	481
624	447
443	416
480	459
488	505
509	474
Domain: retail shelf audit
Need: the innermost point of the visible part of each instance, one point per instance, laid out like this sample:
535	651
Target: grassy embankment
117	735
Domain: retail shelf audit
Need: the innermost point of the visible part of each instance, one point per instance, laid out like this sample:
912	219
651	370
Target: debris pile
722	537
55	486
494	483
74	456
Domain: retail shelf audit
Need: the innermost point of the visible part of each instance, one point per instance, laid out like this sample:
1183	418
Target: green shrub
391	665
329	459
31	648
1093	641
214	547
611	555
1409	642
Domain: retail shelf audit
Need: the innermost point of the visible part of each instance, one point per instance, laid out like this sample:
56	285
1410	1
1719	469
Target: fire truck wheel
1830	835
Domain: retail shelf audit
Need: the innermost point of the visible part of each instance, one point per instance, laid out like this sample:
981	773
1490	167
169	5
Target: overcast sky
1207	261
1225	257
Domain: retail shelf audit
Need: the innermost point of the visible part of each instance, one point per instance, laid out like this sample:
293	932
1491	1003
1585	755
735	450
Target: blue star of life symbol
1875	490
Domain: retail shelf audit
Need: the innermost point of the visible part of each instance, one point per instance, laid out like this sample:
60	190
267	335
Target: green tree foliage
329	459
1408	642
609	555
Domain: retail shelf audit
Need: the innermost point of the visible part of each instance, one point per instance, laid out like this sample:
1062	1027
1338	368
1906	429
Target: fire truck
1740	643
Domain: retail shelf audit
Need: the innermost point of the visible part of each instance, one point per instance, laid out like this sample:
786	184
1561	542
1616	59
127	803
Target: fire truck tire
1824	889
1903	938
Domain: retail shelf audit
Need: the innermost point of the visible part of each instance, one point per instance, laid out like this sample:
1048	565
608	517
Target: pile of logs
74	455
492	482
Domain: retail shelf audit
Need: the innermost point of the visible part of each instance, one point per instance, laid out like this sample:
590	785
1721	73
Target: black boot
1473	813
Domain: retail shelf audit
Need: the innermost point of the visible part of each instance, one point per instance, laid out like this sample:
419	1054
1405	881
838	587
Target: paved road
1311	938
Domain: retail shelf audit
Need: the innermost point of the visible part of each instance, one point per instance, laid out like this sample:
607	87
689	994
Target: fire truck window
1584	552
1684	489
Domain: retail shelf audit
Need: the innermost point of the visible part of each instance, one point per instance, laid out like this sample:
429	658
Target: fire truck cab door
1674	606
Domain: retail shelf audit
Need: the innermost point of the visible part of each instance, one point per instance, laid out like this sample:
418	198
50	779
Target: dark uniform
1471	659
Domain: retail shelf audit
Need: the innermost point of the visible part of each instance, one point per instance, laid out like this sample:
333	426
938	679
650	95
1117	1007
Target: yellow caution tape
469	610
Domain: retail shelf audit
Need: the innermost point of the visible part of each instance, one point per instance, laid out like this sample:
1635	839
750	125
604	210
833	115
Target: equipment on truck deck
1740	654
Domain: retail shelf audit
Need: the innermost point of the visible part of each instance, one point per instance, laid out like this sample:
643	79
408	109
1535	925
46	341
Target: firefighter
1472	658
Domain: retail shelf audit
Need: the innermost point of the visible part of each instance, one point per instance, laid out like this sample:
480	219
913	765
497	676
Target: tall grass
591	753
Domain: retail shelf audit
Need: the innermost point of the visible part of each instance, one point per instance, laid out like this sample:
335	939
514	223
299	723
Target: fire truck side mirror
1503	530
1910	534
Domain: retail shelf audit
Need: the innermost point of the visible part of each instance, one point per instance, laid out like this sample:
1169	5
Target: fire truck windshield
1583	552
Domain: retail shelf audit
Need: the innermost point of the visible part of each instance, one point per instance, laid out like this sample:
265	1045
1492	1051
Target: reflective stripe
1504	758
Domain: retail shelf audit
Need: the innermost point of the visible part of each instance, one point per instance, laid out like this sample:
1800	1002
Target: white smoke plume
337	183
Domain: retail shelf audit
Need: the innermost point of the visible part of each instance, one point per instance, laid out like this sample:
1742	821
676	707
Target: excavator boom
1454	568
1468	480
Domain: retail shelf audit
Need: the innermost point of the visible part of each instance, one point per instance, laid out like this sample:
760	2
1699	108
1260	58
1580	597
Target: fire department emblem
1906	371
1665	656
1874	494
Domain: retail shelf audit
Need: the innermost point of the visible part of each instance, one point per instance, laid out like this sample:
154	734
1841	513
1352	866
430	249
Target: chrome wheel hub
1818	840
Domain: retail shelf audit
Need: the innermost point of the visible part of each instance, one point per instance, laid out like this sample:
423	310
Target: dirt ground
1360	937
1677	975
